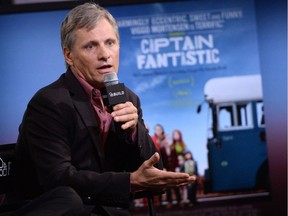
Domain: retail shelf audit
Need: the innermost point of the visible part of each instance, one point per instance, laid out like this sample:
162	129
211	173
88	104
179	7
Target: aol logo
4	169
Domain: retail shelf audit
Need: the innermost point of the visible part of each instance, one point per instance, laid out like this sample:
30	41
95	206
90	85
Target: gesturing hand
149	177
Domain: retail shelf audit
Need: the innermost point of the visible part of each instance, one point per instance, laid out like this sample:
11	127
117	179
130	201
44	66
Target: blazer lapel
86	112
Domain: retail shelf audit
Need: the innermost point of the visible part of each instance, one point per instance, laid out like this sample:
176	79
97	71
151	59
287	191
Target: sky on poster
169	51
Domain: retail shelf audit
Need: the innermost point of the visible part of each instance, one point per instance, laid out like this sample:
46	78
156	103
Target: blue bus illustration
236	145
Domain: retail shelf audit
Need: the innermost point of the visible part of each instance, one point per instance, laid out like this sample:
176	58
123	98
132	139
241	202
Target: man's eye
110	43
89	46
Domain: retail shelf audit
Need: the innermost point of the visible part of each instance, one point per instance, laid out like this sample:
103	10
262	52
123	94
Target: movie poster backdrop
169	51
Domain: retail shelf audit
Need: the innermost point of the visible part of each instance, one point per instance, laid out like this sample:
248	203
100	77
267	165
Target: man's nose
103	53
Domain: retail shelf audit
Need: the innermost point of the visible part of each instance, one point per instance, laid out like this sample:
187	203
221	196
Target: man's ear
67	55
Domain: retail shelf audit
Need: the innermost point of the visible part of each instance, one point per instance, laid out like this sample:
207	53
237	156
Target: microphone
113	92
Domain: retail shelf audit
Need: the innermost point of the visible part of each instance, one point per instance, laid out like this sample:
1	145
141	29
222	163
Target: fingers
173	179
183	177
124	109
161	183
152	160
176	182
126	113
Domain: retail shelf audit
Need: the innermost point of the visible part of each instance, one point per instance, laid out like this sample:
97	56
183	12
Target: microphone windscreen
110	79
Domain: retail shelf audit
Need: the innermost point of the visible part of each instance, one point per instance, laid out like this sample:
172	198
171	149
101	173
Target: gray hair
84	16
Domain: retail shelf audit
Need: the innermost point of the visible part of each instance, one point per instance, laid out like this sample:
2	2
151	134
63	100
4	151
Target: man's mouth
104	67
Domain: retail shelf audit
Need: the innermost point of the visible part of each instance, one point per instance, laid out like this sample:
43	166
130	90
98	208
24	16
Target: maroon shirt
104	118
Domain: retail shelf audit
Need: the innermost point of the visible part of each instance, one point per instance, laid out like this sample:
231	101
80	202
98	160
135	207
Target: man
68	138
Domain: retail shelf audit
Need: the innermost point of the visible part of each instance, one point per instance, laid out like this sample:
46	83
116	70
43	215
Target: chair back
6	160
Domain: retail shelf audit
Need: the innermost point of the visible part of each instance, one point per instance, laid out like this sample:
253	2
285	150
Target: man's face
94	53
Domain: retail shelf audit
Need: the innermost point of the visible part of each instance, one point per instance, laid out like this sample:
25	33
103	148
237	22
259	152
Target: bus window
225	117
244	115
235	116
260	114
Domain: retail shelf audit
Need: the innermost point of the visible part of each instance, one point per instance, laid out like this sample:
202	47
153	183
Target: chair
6	160
150	198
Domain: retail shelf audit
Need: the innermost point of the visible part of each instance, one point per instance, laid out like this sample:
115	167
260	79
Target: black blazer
59	144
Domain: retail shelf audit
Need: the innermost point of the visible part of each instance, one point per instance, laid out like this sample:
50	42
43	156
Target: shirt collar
90	90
